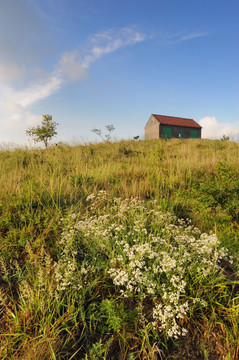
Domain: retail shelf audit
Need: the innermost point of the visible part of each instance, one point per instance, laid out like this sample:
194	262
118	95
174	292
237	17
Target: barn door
194	133
167	132
181	133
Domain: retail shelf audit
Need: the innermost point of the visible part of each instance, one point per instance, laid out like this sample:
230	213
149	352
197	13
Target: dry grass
194	179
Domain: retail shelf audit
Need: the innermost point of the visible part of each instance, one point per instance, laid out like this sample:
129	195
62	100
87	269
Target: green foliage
215	198
225	138
126	151
113	320
45	132
88	316
219	190
97	352
150	256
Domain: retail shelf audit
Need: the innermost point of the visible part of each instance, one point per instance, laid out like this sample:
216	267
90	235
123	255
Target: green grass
69	216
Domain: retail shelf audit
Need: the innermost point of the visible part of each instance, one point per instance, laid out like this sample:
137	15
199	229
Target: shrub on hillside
141	264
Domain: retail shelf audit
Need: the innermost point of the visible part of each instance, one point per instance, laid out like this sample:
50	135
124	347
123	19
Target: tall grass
78	278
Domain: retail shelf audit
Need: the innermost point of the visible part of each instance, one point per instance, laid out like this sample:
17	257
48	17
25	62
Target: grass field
125	250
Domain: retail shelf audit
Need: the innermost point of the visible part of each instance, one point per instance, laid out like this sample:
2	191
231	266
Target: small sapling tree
45	132
110	128
98	132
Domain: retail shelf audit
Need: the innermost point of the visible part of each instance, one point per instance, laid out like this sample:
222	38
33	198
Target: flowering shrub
152	257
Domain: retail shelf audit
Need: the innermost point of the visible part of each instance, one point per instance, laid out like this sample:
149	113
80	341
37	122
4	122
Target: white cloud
211	128
16	105
178	38
73	68
38	91
109	41
193	35
30	71
20	122
70	67
14	118
13	108
10	72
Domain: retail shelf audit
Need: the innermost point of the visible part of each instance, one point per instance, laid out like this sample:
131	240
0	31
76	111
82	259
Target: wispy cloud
38	91
15	106
212	129
192	35
72	66
109	41
178	38
10	72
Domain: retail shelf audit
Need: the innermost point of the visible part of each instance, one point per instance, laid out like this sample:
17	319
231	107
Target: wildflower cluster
152	257
70	273
66	268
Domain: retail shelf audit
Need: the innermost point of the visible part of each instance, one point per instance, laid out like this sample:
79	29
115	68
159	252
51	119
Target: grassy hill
123	250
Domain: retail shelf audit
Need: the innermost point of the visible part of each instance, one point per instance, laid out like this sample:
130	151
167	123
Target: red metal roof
176	121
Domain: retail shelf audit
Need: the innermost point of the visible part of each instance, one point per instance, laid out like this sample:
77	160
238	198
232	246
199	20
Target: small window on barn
194	133
181	133
167	132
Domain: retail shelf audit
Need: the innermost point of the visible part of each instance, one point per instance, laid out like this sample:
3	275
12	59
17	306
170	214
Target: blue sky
91	63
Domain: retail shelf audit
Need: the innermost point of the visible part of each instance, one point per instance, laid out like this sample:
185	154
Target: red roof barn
161	126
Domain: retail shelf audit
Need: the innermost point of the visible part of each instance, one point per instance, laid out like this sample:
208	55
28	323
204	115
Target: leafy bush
139	255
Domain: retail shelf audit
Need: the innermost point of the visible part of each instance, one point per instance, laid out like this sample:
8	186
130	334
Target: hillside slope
123	250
